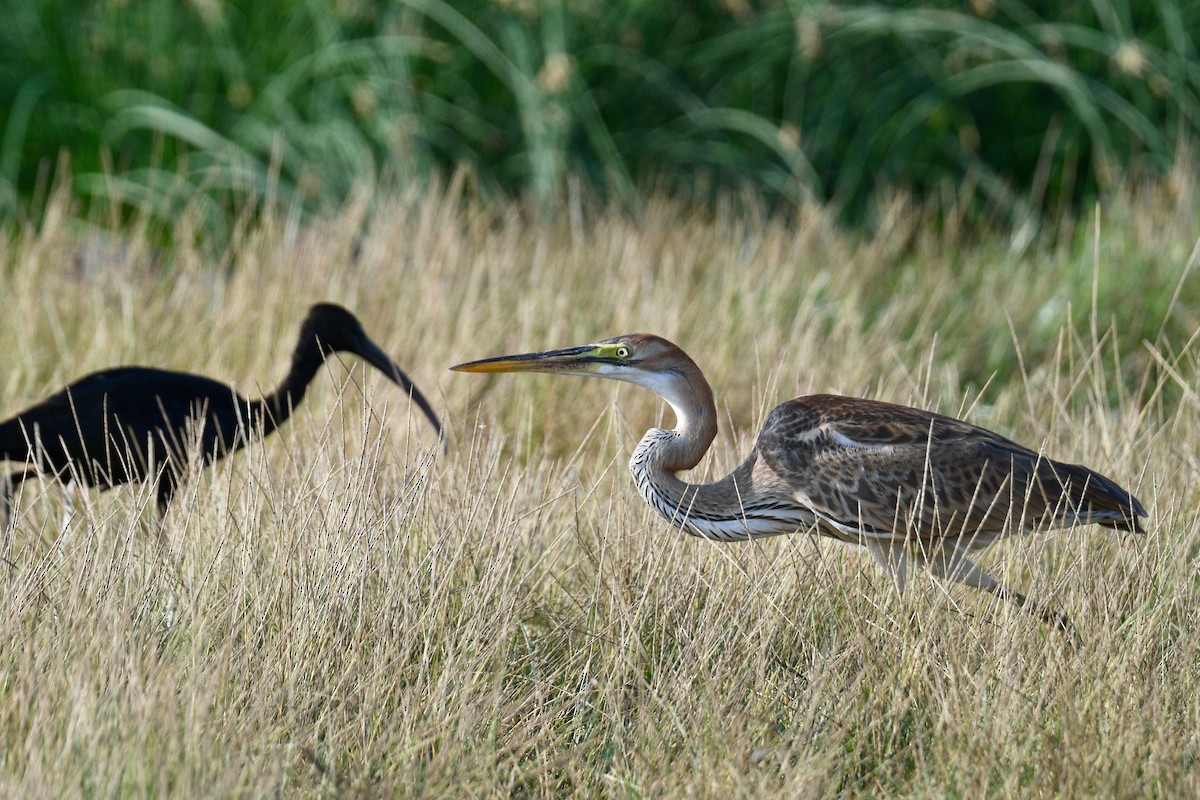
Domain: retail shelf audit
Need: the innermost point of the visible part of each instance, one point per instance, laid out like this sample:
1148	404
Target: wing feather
886	469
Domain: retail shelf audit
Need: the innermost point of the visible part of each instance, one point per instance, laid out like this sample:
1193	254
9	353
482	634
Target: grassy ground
343	612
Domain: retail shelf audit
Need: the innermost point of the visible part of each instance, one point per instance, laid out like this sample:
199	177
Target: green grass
262	104
352	614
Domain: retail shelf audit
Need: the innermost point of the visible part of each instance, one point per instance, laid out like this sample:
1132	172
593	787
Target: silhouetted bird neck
274	409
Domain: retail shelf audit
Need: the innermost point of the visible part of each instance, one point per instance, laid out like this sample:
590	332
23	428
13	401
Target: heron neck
690	397
662	453
721	510
739	506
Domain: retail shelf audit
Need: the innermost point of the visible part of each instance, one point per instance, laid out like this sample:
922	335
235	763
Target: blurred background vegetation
1007	110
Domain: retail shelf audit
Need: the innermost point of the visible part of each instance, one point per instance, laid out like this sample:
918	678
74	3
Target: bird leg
6	493
12	482
68	513
891	556
165	489
957	567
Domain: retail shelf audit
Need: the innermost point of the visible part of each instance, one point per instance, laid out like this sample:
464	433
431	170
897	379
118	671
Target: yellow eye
623	352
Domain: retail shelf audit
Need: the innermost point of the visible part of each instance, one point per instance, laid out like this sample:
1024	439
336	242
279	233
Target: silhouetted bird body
139	423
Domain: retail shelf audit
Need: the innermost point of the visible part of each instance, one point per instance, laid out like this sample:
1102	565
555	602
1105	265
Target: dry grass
351	616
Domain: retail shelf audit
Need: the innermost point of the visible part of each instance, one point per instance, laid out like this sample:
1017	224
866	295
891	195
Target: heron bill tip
570	359
491	365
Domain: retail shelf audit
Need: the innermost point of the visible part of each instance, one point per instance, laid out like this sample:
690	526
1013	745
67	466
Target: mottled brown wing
885	469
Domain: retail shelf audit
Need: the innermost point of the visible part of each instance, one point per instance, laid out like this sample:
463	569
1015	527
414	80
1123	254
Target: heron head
642	358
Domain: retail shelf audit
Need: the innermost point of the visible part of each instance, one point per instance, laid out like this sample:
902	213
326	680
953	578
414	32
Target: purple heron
906	484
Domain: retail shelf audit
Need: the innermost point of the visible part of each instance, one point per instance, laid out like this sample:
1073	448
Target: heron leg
957	567
891	556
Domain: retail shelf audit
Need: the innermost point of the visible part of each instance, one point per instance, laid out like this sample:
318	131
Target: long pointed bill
580	360
382	362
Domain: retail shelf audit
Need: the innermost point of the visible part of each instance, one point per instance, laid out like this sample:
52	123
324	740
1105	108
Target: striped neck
731	509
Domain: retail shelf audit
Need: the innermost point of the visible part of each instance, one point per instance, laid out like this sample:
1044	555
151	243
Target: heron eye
622	352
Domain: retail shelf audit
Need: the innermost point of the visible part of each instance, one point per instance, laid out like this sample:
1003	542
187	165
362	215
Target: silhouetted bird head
336	330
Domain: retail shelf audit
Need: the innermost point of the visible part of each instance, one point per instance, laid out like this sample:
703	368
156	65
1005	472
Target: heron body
138	423
906	484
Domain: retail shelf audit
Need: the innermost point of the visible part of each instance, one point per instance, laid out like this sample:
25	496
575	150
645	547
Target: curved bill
580	360
380	360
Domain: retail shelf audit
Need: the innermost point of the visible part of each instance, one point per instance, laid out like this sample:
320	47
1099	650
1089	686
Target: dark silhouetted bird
138	423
